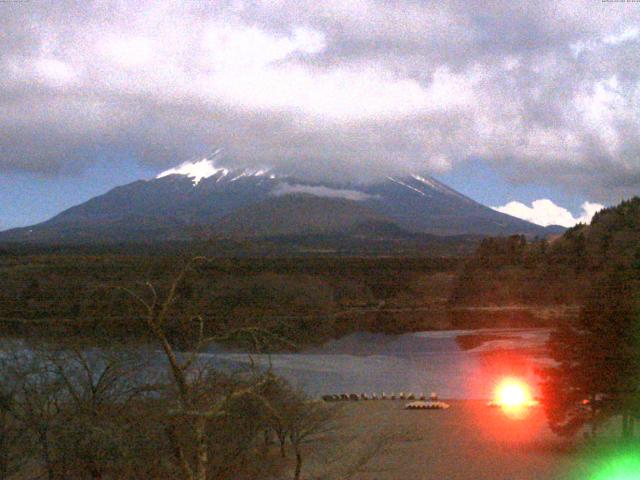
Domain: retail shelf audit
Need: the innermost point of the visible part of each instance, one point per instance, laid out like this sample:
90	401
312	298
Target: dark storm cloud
329	88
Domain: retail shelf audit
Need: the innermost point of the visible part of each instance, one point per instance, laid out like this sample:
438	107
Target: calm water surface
420	362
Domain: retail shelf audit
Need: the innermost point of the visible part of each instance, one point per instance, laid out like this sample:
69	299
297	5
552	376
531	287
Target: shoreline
467	441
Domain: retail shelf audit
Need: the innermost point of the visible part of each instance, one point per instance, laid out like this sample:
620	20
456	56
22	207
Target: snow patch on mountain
320	191
400	182
205	168
252	173
428	182
440	187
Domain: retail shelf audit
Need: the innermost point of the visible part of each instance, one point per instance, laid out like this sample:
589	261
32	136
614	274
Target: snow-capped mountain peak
202	194
206	167
195	170
198	169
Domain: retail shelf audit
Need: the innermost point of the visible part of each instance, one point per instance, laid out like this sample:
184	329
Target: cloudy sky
509	102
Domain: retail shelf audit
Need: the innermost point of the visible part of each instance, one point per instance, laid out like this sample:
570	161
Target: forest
550	271
311	299
506	281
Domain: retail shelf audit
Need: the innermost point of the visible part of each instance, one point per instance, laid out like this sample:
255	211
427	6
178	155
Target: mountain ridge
261	203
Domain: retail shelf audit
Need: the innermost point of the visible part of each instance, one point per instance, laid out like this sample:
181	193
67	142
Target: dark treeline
312	298
597	370
513	270
356	244
596	375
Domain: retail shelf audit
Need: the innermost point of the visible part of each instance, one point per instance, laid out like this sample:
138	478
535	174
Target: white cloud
589	209
328	88
127	52
235	46
285	189
629	33
544	212
54	70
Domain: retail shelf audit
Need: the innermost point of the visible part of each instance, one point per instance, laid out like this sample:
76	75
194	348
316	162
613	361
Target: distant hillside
613	237
508	271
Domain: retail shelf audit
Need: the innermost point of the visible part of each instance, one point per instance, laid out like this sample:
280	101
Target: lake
421	362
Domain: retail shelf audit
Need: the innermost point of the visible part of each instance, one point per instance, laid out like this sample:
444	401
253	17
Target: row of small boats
418	402
383	396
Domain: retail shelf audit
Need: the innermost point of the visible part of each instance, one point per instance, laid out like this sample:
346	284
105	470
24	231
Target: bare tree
279	394
38	407
98	386
304	421
196	403
72	404
15	444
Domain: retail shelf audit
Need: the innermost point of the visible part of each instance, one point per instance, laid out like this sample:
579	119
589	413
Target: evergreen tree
597	371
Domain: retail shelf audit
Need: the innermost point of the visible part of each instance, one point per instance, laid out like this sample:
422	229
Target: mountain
202	199
297	214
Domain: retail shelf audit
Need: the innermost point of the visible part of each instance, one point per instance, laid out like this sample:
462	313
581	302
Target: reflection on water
420	362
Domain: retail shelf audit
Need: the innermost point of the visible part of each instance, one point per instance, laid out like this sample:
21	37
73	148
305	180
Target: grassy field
467	441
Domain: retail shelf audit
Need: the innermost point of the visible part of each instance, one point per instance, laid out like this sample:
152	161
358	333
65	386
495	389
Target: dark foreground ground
467	441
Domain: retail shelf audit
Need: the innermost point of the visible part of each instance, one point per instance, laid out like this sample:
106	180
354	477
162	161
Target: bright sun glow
512	393
513	396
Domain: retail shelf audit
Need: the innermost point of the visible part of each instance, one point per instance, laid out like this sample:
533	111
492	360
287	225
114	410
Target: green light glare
625	466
